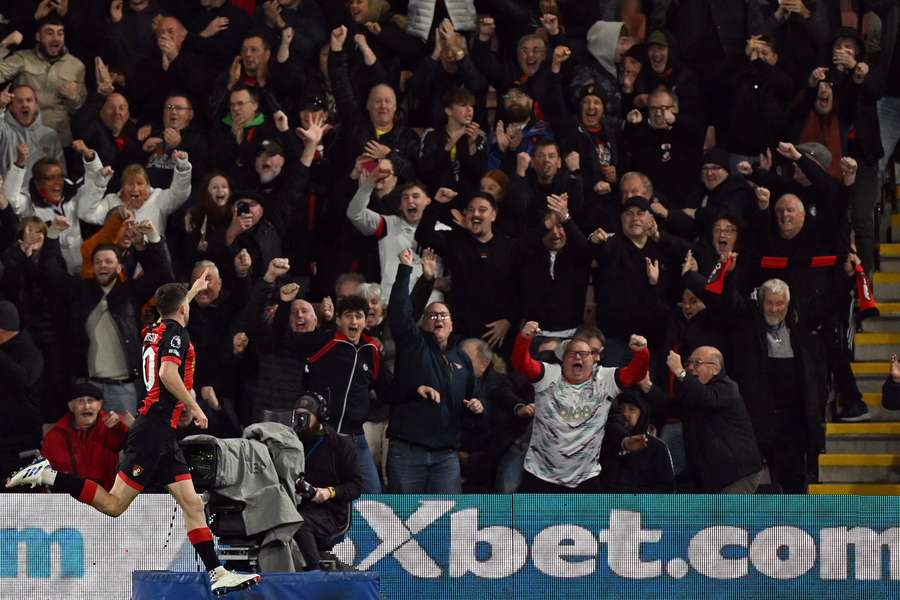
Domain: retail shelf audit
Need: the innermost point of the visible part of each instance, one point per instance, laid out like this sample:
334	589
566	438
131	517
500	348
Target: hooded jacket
43	142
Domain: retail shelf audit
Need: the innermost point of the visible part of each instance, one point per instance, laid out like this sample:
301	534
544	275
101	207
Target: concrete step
878	412
862	438
887	286
890	256
859	468
875	346
888	322
870	375
855	489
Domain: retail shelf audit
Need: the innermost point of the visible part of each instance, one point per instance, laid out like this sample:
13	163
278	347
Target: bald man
718	434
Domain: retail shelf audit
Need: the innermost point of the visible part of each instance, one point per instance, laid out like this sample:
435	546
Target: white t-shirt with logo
569	424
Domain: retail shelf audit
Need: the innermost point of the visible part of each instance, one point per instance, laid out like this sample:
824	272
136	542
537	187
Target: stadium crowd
551	245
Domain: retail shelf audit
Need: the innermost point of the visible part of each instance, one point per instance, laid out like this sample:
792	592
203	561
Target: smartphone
370	165
243	208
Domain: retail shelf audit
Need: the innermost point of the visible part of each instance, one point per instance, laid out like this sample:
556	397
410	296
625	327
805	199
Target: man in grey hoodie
20	123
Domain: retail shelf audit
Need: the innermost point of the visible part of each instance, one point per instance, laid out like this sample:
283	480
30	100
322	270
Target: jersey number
148	362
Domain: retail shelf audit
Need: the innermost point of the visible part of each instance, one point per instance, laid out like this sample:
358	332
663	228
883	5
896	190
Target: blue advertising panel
649	546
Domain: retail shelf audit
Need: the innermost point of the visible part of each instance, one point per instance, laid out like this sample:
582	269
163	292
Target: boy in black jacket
343	367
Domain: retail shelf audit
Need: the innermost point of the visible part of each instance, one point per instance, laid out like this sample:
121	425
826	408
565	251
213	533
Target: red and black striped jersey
166	341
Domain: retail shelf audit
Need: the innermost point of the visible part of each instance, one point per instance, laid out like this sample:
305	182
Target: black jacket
482	273
344	373
421	361
332	462
403	142
125	301
748	354
718	434
21	367
626	302
555	299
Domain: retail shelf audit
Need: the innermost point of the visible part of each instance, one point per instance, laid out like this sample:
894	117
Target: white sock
218	572
48	476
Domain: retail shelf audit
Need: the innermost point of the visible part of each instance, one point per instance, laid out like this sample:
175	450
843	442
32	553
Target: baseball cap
636	201
270	147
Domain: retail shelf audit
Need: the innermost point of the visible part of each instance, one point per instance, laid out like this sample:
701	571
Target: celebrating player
152	455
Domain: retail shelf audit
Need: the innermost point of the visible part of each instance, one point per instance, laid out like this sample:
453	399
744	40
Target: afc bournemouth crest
136	470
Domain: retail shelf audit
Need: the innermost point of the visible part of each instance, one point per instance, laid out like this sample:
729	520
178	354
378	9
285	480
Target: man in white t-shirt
573	412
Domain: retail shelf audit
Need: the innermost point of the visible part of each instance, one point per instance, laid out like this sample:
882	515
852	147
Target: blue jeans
509	470
673	435
371	483
889	123
415	469
119	397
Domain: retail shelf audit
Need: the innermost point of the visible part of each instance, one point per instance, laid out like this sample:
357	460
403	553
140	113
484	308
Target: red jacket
91	454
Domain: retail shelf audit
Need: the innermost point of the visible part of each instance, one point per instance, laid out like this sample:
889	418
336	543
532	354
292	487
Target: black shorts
152	456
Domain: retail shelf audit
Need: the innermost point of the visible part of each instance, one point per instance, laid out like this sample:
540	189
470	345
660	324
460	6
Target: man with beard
50	195
86	441
574	412
393	232
56	76
262	214
482	266
22	124
152	455
104	312
519	129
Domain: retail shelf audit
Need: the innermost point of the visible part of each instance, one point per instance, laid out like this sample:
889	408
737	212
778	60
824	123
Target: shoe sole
857	419
243	586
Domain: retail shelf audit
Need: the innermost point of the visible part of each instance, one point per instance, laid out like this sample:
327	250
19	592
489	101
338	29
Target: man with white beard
775	364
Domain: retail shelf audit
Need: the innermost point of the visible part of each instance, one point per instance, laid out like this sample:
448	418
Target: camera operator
331	482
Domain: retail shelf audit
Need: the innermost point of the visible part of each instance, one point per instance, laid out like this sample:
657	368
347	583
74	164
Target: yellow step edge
872	398
880	277
870	368
862	428
888	308
859	460
855	489
872	339
895	219
886	249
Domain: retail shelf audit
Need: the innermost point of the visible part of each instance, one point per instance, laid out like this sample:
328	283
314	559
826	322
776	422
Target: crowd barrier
493	546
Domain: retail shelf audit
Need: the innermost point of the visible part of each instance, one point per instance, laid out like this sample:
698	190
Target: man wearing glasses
175	132
433	386
718	434
574	416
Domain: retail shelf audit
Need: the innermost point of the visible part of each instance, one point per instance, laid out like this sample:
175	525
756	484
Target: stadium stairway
864	458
